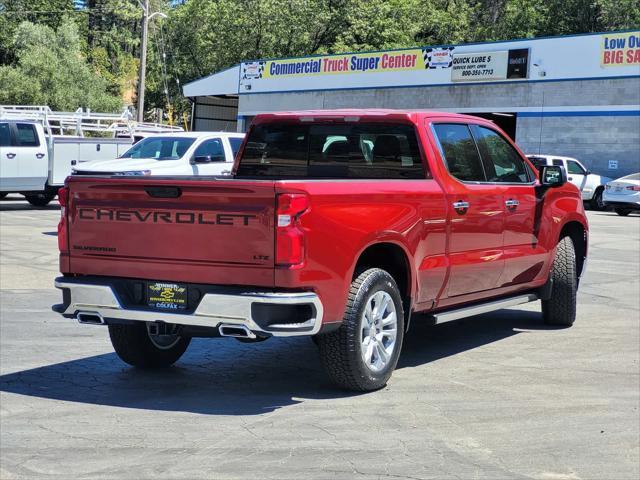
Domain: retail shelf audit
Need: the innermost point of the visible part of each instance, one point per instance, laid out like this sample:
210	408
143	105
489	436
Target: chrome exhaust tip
236	331
91	318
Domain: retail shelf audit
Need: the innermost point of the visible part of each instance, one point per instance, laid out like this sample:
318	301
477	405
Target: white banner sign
475	67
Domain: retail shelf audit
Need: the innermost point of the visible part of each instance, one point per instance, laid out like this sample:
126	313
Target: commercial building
575	96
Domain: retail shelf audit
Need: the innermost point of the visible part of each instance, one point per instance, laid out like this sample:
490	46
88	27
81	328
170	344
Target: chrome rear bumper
213	310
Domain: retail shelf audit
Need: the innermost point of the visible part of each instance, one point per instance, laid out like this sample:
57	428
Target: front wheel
144	346
623	212
560	308
41	199
362	354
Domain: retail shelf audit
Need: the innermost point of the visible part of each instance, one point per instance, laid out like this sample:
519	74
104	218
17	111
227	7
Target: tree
14	12
51	70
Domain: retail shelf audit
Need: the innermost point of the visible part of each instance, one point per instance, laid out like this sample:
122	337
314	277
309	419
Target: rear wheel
362	354
560	308
623	212
597	203
146	346
41	199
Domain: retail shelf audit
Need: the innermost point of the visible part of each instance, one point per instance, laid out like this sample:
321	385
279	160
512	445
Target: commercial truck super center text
354	63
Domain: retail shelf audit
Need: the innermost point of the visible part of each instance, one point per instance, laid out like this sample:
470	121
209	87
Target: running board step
443	317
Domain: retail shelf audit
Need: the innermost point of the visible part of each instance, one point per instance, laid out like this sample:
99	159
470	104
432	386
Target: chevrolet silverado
338	225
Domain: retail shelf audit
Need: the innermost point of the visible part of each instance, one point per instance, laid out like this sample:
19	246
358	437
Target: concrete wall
594	139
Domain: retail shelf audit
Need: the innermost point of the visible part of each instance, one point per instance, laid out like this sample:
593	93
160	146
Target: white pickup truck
591	185
175	154
36	165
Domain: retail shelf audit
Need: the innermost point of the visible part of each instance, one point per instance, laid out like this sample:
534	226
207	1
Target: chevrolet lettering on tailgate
115	215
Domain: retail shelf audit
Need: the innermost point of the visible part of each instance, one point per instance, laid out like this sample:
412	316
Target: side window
501	161
460	152
5	135
27	135
235	144
558	163
575	168
538	161
364	151
212	148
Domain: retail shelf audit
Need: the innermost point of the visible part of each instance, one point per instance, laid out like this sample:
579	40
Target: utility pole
143	60
143	54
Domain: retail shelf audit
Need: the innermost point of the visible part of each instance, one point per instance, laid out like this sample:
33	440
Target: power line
46	12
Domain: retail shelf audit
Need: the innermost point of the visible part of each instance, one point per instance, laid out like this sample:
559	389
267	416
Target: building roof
224	82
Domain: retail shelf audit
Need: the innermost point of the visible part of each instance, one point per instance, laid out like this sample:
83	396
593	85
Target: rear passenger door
509	174
475	213
8	159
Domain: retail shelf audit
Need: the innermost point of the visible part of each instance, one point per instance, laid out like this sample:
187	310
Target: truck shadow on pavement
225	377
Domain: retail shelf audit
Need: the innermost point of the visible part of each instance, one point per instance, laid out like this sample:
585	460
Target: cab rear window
347	150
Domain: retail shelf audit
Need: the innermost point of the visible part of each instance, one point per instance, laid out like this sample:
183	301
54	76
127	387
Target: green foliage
14	12
204	36
51	70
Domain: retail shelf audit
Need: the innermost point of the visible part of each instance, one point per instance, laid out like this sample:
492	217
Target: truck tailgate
197	230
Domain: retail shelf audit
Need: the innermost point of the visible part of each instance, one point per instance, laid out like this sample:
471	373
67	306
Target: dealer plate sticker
167	296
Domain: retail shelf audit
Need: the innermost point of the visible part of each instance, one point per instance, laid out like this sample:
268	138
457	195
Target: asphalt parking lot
490	397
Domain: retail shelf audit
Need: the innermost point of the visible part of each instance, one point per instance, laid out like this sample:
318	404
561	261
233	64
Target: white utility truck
591	185
40	147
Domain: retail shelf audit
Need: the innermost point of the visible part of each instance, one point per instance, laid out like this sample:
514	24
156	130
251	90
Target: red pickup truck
336	224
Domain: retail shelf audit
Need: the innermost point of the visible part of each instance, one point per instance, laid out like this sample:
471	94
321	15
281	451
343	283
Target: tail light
63	200
290	248
635	188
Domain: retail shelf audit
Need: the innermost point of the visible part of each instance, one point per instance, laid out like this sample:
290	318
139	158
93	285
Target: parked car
590	184
623	194
185	153
337	225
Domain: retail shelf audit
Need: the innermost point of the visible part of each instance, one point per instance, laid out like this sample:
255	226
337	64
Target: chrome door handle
39	155
512	203
11	155
461	207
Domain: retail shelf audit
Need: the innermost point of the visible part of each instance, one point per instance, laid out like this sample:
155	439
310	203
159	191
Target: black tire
133	345
41	199
623	212
341	350
560	308
596	202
